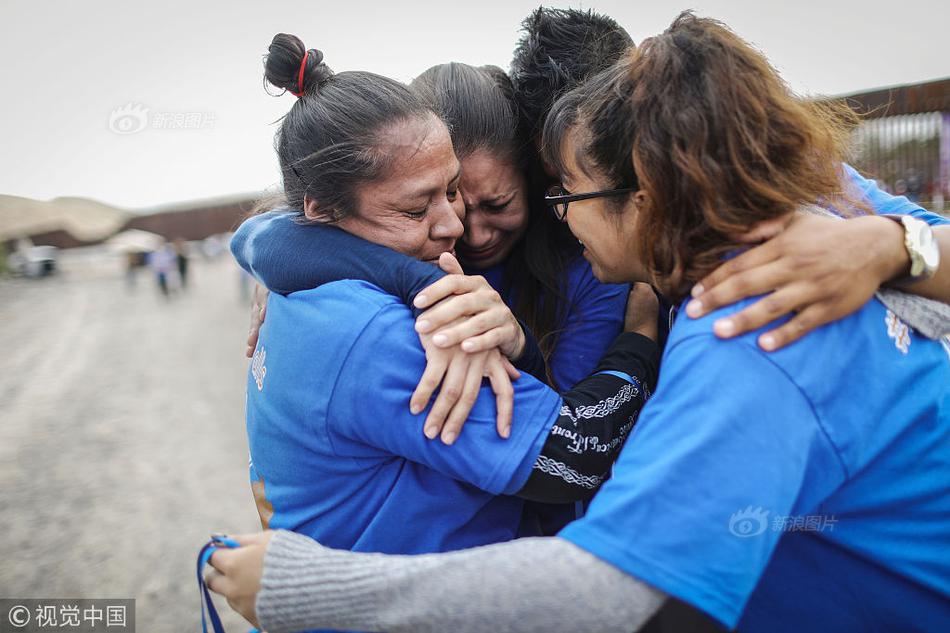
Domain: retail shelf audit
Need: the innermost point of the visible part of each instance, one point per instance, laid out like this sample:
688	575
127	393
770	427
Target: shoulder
338	307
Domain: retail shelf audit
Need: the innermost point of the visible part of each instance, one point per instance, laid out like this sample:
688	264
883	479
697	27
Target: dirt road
122	440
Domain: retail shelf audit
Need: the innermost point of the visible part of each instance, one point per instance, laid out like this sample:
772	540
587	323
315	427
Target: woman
849	426
335	454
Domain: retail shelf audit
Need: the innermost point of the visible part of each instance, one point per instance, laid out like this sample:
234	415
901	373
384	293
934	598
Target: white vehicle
33	261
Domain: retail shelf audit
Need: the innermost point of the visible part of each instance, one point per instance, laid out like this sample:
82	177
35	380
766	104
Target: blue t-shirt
339	457
593	320
800	490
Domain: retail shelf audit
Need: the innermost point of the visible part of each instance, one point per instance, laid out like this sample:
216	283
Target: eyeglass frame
568	197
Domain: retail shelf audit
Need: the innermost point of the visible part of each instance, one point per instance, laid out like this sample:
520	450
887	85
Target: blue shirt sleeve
369	411
286	256
727	442
884	203
593	322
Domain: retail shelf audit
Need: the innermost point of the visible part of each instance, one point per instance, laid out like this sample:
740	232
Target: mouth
481	254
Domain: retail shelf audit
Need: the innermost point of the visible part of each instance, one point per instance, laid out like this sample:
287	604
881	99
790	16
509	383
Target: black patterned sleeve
595	418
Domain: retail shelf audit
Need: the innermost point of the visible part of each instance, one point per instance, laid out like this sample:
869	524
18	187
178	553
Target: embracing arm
536	584
594	420
287	256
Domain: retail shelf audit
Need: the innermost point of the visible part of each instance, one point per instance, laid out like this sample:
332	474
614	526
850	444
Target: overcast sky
193	70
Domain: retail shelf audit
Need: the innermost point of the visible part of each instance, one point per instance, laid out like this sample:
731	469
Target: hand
460	374
643	310
236	573
821	268
490	322
258	308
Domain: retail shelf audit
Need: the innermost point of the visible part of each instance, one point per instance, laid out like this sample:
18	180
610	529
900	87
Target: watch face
927	249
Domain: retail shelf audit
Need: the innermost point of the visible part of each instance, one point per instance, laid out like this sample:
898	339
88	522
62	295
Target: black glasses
558	198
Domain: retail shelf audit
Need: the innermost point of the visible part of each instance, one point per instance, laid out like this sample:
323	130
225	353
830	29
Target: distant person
181	257
132	262
162	263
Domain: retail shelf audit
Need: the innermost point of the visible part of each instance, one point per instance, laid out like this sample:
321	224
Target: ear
313	212
641	199
310	208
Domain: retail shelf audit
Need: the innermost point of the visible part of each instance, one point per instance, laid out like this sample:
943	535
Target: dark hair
333	138
477	105
479	108
717	139
559	50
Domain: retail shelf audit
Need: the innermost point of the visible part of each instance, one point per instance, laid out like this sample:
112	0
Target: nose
446	223
477	232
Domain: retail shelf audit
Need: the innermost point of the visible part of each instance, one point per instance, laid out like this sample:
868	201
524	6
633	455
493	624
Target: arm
593	423
287	256
820	267
543	585
592	420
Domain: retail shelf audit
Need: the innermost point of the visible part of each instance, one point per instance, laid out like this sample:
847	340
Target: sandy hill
87	220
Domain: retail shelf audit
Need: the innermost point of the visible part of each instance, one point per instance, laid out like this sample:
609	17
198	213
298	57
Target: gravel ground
122	442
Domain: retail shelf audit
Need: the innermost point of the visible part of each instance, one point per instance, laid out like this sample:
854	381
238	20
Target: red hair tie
303	67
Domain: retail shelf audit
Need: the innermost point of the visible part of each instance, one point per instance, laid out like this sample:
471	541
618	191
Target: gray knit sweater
542	585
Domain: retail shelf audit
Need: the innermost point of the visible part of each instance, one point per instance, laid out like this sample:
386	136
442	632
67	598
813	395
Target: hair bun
282	65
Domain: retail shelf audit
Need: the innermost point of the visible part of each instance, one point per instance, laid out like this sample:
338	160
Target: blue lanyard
216	543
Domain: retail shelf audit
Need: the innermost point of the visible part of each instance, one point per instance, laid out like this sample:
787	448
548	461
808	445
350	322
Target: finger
758	256
219	583
770	307
513	373
449	310
449	393
764	230
221	559
431	377
255	538
445	287
473	384
741	285
486	341
504	395
449	264
812	317
472	327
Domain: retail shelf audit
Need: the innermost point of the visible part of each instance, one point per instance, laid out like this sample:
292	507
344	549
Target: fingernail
694	308
468	346
420	301
431	432
724	327
422	326
440	339
506	432
697	290
448	437
414	409
767	342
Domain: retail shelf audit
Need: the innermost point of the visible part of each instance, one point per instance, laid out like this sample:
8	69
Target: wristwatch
922	248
